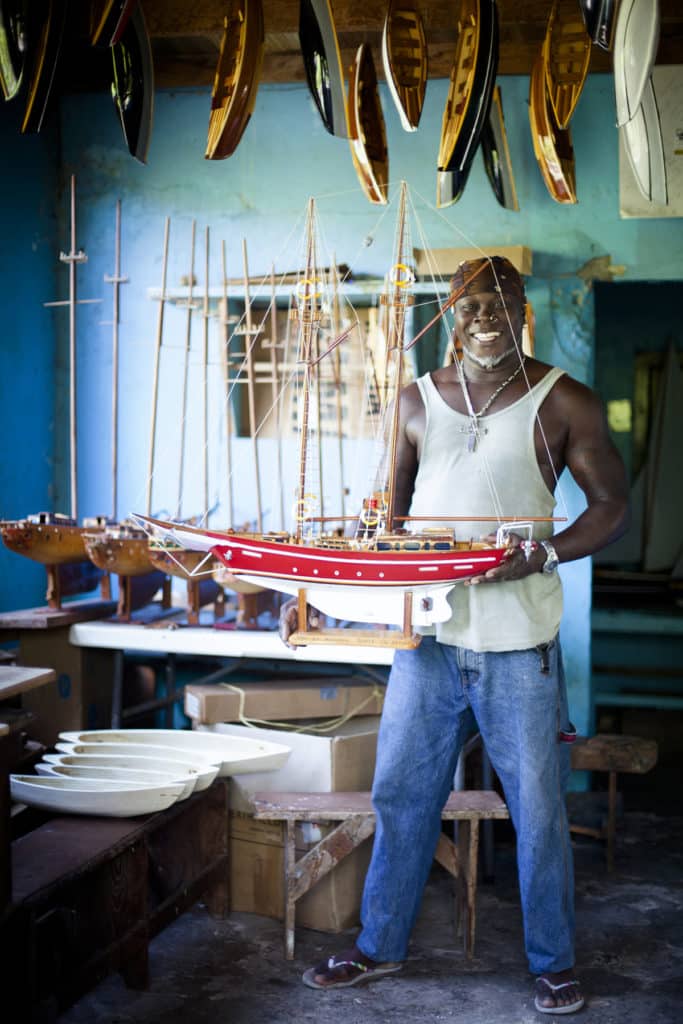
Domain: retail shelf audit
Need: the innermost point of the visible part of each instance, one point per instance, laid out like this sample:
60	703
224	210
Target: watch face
552	561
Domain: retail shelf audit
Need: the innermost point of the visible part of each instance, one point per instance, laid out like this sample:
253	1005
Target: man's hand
515	564
289	620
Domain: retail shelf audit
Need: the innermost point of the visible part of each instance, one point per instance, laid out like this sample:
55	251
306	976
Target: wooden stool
613	754
356	816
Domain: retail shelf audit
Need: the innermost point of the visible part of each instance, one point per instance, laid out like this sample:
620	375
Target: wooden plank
446	854
17	679
337	806
326	854
609	753
51	618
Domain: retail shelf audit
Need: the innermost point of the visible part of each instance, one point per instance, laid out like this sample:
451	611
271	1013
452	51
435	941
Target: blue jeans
519	709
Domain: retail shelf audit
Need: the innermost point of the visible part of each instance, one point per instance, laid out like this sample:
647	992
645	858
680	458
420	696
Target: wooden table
356	818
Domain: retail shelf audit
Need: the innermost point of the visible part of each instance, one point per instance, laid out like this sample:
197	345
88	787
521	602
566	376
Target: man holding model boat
491	432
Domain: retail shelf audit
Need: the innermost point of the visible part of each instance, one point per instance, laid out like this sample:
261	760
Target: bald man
495	427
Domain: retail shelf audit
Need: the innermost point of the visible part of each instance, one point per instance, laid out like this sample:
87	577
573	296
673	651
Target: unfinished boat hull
636	37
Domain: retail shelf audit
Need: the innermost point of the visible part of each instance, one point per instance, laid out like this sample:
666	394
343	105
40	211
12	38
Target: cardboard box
257	875
342	760
446	261
287	700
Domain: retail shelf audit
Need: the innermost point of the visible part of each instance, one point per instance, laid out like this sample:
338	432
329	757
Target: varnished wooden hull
13	46
237	77
368	134
46	543
404	56
322	62
133	85
108	19
125	556
552	144
48	27
567	56
179	562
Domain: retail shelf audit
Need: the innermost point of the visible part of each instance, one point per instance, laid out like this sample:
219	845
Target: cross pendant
473	431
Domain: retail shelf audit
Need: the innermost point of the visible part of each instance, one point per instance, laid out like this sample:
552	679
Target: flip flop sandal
569	1008
355	973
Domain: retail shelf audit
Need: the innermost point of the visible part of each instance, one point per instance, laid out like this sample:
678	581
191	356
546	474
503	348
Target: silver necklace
474	429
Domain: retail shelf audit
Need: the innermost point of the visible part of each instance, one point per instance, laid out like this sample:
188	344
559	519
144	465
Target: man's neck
491	369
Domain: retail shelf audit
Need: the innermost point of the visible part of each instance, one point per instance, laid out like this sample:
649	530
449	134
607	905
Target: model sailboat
382	574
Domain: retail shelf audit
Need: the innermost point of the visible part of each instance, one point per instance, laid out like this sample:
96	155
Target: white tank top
501	475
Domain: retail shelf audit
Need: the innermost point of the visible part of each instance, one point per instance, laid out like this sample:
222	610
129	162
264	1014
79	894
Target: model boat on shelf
642	137
469	97
567	48
89	796
115	775
600	17
322	62
133	84
182	769
552	145
367	132
47	29
13	46
404	56
237	77
382	573
636	37
496	153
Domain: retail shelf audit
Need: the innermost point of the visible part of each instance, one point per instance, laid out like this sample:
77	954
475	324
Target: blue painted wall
28	253
261	192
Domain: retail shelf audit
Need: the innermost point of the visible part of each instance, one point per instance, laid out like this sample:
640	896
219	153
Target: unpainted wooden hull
636	37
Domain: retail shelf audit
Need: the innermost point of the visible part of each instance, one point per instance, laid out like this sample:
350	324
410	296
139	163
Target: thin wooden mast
205	375
308	311
338	383
275	392
251	399
225	360
116	280
157	361
396	309
186	366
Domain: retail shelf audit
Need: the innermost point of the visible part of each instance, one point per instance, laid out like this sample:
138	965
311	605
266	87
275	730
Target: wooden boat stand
405	640
356	818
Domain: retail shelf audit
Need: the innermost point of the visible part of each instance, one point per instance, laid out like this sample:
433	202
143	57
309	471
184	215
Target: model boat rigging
382	574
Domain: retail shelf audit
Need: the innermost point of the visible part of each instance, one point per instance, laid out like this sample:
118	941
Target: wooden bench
356	819
612	754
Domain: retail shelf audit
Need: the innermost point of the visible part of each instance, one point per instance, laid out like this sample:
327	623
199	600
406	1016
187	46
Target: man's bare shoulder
567	393
411	397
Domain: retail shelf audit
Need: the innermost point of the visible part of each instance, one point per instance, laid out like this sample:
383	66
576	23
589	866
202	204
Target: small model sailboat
133	84
237	77
322	61
55	539
404	56
123	548
567	56
367	132
383	574
13	46
552	144
469	97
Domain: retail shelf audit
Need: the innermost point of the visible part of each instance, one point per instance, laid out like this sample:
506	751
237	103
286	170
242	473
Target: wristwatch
552	561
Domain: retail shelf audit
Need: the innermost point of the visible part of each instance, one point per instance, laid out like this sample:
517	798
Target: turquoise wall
28	254
261	192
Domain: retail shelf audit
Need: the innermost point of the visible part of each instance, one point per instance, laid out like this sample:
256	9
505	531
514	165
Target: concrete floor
629	955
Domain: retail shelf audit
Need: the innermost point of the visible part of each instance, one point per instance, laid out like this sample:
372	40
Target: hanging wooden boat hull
368	135
636	37
567	56
552	145
496	153
471	84
600	17
644	147
343	580
322	62
13	46
133	84
48	30
404	56
108	19
237	77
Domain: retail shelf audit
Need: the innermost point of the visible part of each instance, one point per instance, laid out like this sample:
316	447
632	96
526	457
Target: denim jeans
520	706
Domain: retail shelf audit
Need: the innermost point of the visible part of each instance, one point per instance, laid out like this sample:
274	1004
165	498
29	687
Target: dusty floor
629	942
